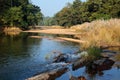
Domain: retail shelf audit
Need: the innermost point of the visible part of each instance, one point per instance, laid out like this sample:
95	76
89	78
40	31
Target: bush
94	53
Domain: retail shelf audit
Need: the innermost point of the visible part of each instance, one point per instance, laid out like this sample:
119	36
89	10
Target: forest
19	13
22	13
79	12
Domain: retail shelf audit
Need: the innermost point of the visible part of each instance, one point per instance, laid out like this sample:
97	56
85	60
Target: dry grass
82	27
12	31
101	32
56	27
54	31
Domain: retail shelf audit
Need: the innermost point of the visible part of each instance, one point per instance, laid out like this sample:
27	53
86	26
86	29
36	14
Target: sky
51	7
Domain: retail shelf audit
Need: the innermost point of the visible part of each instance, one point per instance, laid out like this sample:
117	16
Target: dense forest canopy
19	13
22	13
79	12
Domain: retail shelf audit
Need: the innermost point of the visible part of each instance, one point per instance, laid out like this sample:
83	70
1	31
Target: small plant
94	53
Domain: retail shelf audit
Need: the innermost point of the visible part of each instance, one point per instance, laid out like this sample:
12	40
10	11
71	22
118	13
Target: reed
101	32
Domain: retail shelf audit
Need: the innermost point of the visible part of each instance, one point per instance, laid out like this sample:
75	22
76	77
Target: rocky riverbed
62	64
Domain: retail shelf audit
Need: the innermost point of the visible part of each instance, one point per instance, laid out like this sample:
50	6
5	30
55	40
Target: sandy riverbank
54	31
60	39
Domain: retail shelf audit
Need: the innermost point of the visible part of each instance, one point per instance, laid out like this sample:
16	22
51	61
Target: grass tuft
100	32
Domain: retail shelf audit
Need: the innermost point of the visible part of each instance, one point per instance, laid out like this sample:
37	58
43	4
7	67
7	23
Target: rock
99	65
73	78
104	64
61	58
84	54
52	75
53	66
117	64
100	61
81	78
78	64
104	61
77	78
108	55
66	58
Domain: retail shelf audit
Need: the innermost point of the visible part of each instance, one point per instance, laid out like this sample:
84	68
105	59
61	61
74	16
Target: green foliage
48	21
94	53
13	17
19	13
80	12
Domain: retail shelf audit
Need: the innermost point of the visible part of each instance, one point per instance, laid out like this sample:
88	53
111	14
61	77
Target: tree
70	15
80	12
13	17
4	6
63	17
76	10
19	13
32	15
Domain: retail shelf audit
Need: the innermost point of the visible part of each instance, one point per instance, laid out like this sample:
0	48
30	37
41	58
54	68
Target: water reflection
101	69
12	33
22	57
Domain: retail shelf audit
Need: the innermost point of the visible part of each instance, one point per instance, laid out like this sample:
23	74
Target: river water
22	57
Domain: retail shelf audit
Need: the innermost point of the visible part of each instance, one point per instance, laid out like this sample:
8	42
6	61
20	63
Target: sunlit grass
101	32
56	27
12	30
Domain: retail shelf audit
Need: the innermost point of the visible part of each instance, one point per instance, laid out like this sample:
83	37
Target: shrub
94	53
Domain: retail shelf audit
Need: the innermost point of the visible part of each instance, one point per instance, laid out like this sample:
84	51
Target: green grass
94	53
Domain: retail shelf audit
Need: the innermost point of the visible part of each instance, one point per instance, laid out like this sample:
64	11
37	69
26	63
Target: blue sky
50	7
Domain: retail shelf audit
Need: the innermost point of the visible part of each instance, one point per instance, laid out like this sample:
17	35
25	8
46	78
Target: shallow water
22	57
112	74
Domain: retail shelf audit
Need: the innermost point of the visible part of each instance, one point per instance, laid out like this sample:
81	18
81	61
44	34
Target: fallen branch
52	75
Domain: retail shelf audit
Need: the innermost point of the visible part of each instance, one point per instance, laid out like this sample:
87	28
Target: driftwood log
52	75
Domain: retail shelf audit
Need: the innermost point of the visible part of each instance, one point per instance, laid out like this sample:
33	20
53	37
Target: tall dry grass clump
81	28
102	32
12	30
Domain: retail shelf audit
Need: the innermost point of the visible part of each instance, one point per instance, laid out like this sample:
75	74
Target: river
22	57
